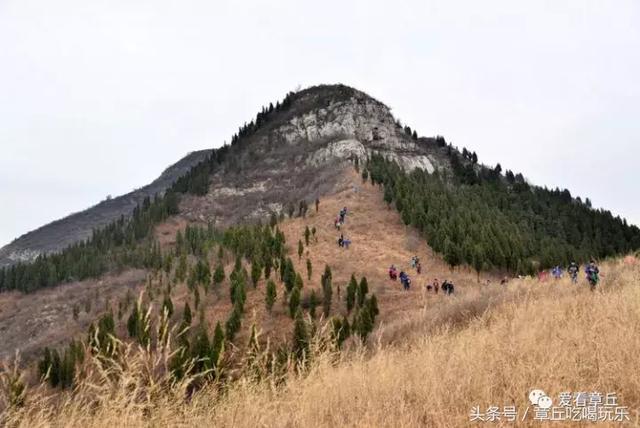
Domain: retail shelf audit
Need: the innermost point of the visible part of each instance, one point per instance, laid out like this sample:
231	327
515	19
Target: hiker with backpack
593	274
557	272
343	214
447	287
573	270
404	279
341	240
393	273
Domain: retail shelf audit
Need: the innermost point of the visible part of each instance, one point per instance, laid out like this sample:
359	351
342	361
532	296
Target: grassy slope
436	357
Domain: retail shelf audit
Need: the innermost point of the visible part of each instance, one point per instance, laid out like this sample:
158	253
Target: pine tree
327	291
289	276
294	302
362	291
313	303
300	337
299	282
300	249
271	294
218	274
256	273
351	293
217	348
309	270
201	351
307	235
233	323
341	330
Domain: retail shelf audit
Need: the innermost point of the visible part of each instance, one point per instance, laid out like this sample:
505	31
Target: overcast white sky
98	97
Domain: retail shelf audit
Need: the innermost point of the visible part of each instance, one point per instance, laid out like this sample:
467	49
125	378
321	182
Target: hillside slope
553	336
379	239
78	226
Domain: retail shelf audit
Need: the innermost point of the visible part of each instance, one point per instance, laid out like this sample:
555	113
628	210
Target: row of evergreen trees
124	242
487	220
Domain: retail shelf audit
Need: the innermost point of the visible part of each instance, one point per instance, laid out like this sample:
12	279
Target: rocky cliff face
300	155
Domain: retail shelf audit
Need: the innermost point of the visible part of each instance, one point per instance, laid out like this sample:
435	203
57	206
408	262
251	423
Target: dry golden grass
555	336
431	358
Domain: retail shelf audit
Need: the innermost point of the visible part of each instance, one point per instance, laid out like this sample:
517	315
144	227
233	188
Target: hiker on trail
593	274
557	272
343	214
436	285
393	273
542	275
447	287
346	242
504	281
341	240
418	268
573	270
414	261
404	279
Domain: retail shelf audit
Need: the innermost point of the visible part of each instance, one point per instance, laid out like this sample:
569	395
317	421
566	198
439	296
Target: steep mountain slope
379	239
76	227
296	154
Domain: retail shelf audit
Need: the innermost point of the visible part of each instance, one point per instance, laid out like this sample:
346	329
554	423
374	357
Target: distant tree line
487	220
124	242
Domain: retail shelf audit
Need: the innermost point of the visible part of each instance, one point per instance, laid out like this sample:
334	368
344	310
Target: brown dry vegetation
431	358
556	336
29	322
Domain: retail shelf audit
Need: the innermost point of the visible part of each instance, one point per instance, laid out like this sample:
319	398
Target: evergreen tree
233	323
362	291
341	330
351	293
217	348
307	235
300	337
256	273
294	302
218	274
313	303
309	270
300	249
271	294
327	291
186	314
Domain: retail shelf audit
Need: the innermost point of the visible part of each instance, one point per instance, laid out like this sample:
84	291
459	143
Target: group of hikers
592	273
446	286
591	269
342	241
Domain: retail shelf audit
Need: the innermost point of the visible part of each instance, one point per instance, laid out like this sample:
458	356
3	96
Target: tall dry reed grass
426	369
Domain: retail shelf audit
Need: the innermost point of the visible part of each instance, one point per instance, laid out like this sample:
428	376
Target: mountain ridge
78	226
